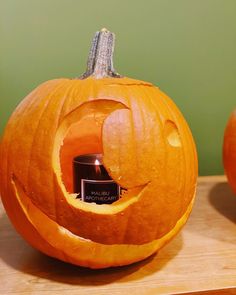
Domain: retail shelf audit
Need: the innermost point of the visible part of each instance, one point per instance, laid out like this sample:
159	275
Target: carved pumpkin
147	148
229	151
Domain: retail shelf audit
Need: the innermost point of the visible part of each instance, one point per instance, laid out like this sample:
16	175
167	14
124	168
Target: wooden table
200	260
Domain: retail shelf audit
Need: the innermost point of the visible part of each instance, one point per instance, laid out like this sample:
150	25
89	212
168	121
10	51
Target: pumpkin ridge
184	171
34	137
25	105
161	128
175	119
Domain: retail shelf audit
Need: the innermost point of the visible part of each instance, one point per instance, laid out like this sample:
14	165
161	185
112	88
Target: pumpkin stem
100	59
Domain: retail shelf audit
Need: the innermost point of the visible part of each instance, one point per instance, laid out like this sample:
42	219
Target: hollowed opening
83	137
80	133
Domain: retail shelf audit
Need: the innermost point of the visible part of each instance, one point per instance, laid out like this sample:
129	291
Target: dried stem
100	60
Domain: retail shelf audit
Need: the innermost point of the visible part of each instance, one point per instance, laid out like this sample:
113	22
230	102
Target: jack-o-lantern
147	149
229	150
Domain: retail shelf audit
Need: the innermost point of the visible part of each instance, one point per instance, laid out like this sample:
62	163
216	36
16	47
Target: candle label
99	191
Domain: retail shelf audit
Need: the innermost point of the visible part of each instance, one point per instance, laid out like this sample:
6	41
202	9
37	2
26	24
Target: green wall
186	47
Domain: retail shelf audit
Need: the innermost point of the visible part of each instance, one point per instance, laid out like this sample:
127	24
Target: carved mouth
69	246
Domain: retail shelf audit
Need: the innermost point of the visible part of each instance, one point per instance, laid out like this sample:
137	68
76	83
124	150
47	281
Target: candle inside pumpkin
92	183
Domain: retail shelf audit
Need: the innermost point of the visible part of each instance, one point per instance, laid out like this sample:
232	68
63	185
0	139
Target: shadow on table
223	200
18	255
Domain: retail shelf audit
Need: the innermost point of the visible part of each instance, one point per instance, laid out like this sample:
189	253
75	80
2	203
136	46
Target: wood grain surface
200	260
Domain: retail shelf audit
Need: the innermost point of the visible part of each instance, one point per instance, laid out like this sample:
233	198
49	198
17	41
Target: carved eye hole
172	134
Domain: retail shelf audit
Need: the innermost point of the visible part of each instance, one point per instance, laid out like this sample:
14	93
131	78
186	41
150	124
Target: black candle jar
92	183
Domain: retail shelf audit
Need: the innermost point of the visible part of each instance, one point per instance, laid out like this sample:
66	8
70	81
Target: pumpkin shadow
17	254
223	200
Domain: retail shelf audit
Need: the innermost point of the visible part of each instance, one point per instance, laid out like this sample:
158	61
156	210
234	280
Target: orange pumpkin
147	148
229	151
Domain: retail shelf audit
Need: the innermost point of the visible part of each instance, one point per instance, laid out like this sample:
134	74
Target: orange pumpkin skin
147	148
229	151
